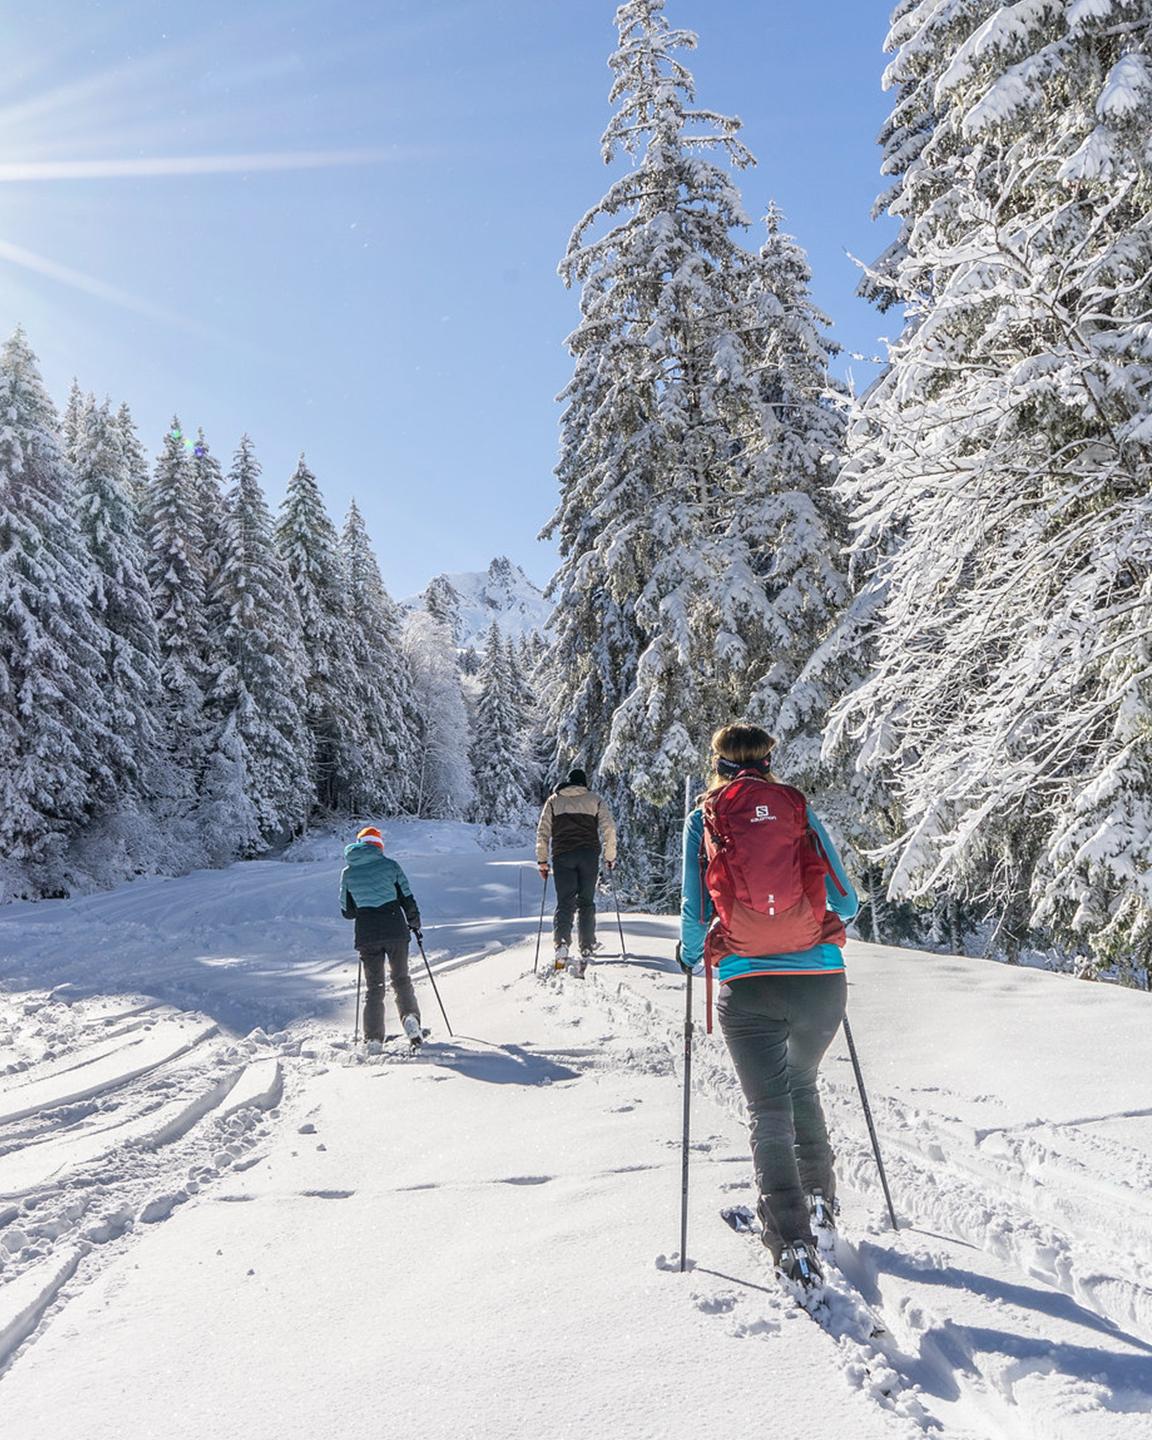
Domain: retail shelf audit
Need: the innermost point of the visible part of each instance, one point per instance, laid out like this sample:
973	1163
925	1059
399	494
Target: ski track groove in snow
108	1072
124	1133
24	1300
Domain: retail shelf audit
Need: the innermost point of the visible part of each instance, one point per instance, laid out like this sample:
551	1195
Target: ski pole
687	1117
435	991
540	932
619	922
868	1121
359	977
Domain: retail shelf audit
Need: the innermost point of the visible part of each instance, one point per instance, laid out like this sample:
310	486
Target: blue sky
399	318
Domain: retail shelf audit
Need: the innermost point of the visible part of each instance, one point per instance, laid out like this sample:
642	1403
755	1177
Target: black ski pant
576	873
394	954
778	1028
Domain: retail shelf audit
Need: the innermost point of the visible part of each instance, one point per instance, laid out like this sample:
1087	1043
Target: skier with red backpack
765	901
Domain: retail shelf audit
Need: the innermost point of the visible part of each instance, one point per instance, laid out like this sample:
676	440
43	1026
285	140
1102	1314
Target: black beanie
577	777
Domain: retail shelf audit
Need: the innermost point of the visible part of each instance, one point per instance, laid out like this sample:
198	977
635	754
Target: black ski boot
799	1269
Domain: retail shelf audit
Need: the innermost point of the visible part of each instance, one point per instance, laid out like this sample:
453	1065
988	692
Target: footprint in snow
527	1180
722	1304
328	1194
755	1328
162	1206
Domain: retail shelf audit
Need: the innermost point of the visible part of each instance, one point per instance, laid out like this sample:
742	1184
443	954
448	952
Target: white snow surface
218	1217
502	593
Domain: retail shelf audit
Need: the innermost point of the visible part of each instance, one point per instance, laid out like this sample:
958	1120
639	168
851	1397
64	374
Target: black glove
688	966
348	914
419	934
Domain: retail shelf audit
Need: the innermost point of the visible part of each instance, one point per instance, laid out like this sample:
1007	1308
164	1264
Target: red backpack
764	868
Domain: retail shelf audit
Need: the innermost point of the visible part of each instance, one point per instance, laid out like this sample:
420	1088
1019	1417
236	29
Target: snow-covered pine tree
207	480
121	600
386	705
523	662
231	823
54	735
442	601
258	700
861	804
531	649
1009	448
136	472
923	37
445	788
664	620
532	664
174	544
792	514
499	761
72	421
310	548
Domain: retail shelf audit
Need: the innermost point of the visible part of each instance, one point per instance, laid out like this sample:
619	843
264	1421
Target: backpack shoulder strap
829	868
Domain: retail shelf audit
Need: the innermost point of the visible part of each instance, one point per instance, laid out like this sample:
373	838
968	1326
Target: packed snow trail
277	1235
261	944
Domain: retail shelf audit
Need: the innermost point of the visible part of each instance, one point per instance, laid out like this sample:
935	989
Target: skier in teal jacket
374	891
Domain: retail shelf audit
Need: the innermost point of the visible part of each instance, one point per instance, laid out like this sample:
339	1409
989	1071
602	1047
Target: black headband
729	769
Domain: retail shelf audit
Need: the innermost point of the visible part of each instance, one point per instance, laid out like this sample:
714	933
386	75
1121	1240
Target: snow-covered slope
502	593
279	1236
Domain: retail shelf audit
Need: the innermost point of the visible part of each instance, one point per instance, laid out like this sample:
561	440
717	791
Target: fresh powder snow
219	1216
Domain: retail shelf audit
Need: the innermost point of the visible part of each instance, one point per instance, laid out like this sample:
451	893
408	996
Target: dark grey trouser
778	1028
395	953
576	873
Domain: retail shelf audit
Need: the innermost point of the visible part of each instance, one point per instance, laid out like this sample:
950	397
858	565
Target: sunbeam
90	285
178	165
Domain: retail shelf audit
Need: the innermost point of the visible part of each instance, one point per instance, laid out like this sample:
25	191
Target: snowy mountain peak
474	599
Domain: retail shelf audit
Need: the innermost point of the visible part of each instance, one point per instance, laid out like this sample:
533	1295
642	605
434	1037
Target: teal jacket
696	913
374	891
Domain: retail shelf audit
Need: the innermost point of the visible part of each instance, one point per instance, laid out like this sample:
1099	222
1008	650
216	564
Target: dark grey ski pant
394	953
778	1028
576	873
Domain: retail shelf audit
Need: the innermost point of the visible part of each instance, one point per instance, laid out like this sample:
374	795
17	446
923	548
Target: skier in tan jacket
576	827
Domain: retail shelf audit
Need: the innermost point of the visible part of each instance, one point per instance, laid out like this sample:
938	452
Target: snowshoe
415	1034
560	959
